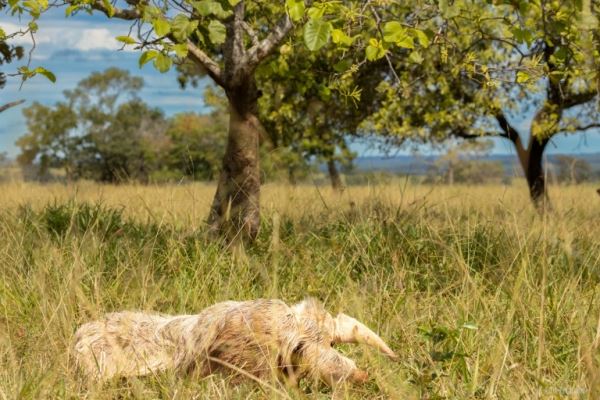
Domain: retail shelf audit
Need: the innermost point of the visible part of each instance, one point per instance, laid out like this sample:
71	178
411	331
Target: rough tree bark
334	176
236	207
235	212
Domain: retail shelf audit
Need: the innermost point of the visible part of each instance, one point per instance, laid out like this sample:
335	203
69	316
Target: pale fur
259	338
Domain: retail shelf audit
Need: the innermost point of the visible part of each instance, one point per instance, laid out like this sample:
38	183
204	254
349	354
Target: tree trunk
235	212
531	158
450	173
334	176
292	176
535	173
572	172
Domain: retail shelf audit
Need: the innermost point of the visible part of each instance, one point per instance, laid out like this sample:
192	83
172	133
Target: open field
479	295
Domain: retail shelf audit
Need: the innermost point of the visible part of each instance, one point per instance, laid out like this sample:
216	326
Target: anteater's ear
310	308
350	330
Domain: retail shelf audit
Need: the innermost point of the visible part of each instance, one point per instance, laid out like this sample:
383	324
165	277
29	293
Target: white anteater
259	338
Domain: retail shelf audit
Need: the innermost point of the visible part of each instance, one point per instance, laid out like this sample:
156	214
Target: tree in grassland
229	40
310	114
198	141
310	111
102	131
459	162
573	170
319	99
490	62
47	143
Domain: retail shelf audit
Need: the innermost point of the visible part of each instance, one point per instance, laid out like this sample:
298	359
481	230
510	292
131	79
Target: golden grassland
481	296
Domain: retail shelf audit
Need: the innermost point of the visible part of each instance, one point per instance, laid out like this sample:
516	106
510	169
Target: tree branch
202	59
586	127
387	55
263	49
510	133
116	12
11	104
194	53
251	33
235	68
463	134
573	100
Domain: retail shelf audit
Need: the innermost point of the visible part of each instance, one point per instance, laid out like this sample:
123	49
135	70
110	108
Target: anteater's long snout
350	330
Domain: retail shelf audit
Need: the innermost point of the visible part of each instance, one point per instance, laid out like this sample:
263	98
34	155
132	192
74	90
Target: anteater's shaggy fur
263	338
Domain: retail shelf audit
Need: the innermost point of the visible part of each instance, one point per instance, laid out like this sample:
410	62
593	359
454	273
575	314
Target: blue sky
74	47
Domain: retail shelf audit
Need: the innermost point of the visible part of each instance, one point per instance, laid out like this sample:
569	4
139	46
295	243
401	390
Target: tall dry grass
481	296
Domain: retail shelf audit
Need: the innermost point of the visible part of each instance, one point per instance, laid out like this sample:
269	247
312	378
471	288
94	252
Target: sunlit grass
481	296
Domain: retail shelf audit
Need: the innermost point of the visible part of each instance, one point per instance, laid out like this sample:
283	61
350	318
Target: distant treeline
104	132
484	169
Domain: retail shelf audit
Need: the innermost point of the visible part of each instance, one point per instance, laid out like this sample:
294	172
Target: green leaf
522	77
316	12
110	11
416	57
338	36
33	7
151	13
182	27
285	49
316	33
342	66
181	50
374	50
371	53
407	43
234	2
561	53
393	32
162	62
216	32
161	27
522	35
147	56
204	8
2	34
448	11
43	71
126	39
295	9
421	37
210	7
71	9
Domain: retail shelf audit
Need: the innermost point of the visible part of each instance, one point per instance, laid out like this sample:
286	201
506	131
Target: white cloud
55	36
95	39
10	28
